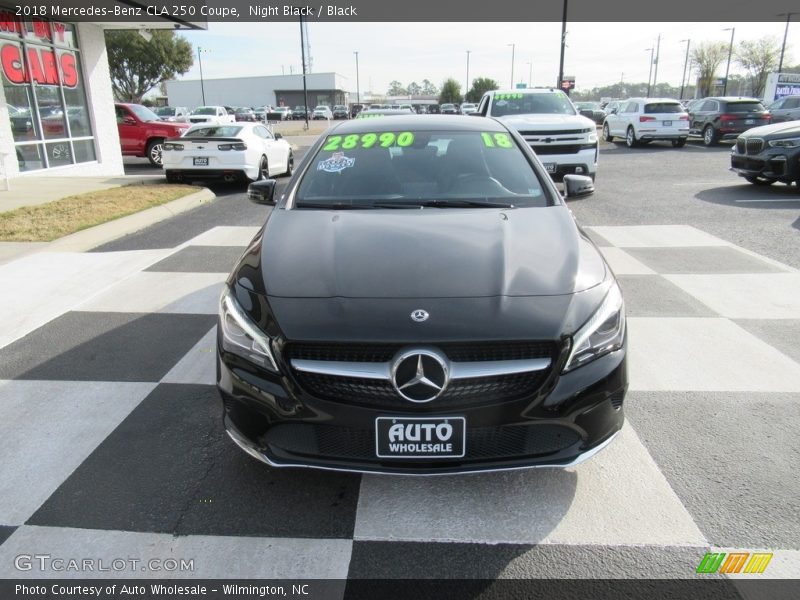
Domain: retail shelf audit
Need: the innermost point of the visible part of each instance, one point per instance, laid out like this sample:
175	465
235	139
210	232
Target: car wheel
760	180
679	143
607	133
263	169
289	165
154	150
709	136
630	138
172	177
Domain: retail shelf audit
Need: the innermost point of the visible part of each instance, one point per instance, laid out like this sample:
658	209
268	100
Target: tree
451	92
707	57
137	66
414	89
480	86
429	89
396	89
759	58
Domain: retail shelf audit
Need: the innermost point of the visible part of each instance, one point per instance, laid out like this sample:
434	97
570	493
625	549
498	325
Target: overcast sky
597	53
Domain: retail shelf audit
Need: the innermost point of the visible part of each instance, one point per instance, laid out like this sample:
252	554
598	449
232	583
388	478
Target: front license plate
667	123
749	121
420	437
550	167
201	162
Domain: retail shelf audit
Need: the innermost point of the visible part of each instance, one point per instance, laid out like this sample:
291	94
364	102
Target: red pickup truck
141	133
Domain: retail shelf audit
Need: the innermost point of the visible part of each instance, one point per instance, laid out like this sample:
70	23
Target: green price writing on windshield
512	96
385	139
497	140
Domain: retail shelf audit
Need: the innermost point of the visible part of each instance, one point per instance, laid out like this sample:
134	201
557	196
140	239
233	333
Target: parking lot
113	440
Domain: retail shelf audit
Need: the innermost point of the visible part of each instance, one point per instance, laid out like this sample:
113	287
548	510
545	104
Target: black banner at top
197	13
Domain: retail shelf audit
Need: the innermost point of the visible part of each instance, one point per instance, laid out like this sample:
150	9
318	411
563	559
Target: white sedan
228	152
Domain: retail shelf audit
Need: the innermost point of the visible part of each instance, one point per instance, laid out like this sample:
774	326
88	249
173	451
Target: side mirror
278	136
474	114
129	120
578	186
262	192
613	111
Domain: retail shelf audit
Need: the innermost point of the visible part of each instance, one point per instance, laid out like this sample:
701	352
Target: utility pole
685	63
728	68
785	33
303	55
563	44
658	52
513	49
466	87
358	86
202	85
530	74
650	74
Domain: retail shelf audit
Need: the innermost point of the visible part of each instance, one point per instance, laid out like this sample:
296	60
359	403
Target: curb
84	240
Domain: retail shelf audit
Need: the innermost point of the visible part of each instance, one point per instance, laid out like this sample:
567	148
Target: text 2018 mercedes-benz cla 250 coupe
420	300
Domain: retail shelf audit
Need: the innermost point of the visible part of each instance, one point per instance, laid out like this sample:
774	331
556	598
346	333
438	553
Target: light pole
785	33
658	53
202	84
530	74
650	74
728	68
303	55
358	86
685	63
563	45
466	87
513	49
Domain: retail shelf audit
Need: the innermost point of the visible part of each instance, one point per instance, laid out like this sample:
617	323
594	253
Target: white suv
565	141
217	115
642	120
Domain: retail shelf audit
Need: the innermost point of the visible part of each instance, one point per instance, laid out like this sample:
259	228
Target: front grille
741	146
556	149
375	393
555	132
482	443
755	145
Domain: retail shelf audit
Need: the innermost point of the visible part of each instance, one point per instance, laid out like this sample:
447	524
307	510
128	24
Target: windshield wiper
333	205
443	204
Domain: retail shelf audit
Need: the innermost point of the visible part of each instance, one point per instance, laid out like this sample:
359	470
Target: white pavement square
198	366
619	497
623	263
224	236
657	236
213	557
48	429
751	296
704	354
149	291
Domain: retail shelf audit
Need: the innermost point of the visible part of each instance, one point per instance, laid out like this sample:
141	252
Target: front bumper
773	163
569	419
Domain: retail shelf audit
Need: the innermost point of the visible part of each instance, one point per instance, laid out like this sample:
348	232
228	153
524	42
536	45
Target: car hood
429	253
776	129
544	122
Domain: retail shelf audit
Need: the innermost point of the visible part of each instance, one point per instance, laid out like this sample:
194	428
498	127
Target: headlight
241	336
787	143
601	334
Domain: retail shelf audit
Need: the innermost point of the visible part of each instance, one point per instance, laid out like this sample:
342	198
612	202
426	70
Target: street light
358	86
513	49
685	63
530	74
466	87
658	55
563	45
200	61
728	68
650	74
785	33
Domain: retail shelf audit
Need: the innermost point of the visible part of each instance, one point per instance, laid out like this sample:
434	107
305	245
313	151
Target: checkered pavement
113	445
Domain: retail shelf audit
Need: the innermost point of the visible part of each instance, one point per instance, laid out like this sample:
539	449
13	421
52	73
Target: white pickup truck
564	141
217	115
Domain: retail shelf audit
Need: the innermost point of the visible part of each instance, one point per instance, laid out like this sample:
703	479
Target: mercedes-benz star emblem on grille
419	315
420	375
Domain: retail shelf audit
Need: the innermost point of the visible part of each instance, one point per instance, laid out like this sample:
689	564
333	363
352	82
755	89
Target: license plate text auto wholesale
749	121
419	437
550	167
667	123
201	161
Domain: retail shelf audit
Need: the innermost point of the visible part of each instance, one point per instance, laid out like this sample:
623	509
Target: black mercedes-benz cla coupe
421	300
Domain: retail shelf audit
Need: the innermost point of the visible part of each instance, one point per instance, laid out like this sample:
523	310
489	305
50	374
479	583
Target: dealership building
57	112
327	89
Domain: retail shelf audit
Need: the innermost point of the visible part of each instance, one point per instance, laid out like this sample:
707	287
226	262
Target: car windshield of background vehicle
522	103
221	132
410	169
205	110
663	107
143	113
44	89
165	111
743	107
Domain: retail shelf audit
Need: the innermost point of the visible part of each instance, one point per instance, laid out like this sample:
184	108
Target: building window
45	94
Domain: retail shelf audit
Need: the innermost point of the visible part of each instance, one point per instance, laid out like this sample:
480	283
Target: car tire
154	149
759	180
607	133
710	136
679	143
172	177
263	169
289	165
630	138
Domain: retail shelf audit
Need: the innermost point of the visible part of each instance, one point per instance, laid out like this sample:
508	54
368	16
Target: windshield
524	103
165	111
143	113
663	107
219	131
411	169
205	110
743	107
299	107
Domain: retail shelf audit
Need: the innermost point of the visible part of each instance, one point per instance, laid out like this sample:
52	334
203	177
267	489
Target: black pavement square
781	334
200	259
731	458
169	467
654	296
5	532
102	346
